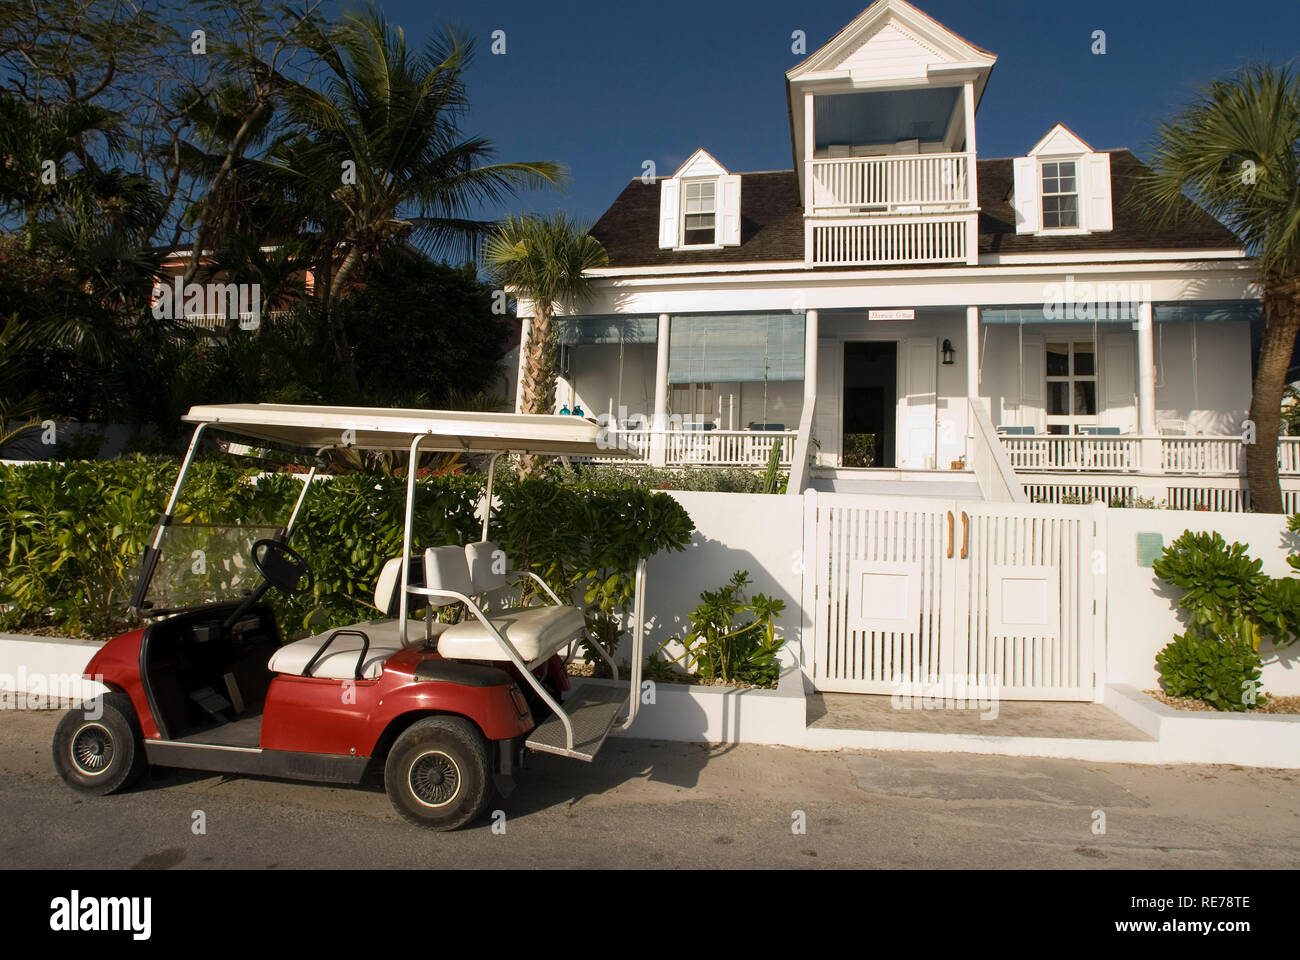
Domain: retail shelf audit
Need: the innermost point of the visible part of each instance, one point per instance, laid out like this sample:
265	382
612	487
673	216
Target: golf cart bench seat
536	632
339	662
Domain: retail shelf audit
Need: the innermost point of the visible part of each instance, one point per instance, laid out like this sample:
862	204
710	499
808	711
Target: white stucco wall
733	531
1142	614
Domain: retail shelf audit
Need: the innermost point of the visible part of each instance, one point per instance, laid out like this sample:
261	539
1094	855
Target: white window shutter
1033	374
729	210
669	213
1029	212
1099	214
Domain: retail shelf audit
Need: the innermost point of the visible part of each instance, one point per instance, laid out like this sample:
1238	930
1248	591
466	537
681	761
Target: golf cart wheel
437	774
99	751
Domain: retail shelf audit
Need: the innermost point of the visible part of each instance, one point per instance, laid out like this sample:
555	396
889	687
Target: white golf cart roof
382	428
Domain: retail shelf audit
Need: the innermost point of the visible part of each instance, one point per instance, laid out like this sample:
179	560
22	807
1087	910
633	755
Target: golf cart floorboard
592	710
244	732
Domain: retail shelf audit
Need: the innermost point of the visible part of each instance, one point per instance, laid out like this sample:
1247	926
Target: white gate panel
908	591
880	592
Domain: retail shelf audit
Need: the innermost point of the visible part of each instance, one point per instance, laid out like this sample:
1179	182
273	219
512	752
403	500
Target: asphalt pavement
658	804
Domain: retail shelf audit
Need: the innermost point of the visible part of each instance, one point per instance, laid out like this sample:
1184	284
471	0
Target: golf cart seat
339	661
536	633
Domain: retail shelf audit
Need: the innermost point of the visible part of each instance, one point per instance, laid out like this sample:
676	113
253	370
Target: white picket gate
905	591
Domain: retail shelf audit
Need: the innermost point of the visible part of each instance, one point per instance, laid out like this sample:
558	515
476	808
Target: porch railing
714	448
922	183
1196	456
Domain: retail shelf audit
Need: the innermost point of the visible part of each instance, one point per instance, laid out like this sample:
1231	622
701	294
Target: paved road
648	804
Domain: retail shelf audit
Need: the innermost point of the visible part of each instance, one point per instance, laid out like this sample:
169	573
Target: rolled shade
1208	311
606	329
736	348
1106	311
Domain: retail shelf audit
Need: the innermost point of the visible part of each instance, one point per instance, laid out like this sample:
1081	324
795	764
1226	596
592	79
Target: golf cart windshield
200	563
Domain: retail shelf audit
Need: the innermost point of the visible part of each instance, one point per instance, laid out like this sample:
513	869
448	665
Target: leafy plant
859	450
720	648
1226	592
586	540
1224	671
772	475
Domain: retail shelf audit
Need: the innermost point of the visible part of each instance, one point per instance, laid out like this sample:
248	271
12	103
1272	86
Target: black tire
437	774
100	751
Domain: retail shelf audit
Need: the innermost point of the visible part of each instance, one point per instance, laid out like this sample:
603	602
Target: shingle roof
771	227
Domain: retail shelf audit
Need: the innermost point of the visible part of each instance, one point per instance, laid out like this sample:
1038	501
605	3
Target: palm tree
1236	151
385	153
545	261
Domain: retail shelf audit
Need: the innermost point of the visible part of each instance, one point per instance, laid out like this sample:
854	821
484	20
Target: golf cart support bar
600	698
149	562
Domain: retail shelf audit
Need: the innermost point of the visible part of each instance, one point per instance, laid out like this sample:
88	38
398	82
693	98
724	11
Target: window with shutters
699	212
1060	195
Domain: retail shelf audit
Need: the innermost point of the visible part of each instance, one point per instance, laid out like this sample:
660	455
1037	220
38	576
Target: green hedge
73	535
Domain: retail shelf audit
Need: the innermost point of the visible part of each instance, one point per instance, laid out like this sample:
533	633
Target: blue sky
604	85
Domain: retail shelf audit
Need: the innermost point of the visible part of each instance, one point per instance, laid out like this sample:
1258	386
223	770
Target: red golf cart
447	709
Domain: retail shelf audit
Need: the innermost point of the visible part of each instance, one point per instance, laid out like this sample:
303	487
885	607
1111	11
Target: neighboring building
897	302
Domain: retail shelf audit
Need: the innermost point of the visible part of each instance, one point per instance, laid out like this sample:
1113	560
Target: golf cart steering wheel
283	567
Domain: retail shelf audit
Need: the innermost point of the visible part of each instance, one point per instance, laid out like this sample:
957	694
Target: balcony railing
1194	456
711	448
941	238
925	183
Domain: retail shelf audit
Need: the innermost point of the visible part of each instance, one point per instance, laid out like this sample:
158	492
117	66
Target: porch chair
1176	428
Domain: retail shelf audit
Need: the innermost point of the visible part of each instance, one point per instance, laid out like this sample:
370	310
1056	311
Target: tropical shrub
72	536
1222	671
698	479
585	539
1232	606
1226	591
721	648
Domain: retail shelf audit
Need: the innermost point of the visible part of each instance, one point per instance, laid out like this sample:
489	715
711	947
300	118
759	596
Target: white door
919	404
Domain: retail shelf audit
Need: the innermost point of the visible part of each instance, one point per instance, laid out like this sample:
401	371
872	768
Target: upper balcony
883	131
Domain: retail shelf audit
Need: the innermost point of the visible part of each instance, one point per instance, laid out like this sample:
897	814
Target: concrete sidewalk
645	803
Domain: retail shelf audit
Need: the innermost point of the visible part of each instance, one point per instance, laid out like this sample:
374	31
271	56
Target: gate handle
950	531
965	536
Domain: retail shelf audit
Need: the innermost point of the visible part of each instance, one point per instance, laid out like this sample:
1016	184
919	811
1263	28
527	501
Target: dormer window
1062	186
1060	195
700	211
699	206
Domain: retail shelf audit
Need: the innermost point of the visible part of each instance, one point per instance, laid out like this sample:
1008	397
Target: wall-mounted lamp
948	353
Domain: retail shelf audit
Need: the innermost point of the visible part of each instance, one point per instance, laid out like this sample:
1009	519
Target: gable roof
1059	140
913	26
772	230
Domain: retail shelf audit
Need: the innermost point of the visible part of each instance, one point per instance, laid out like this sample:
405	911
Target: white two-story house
899	310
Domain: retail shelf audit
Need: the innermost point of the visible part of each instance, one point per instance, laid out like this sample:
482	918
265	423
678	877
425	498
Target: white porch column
805	175
809	360
798	479
972	181
972	375
658	445
973	352
1147	389
525	330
